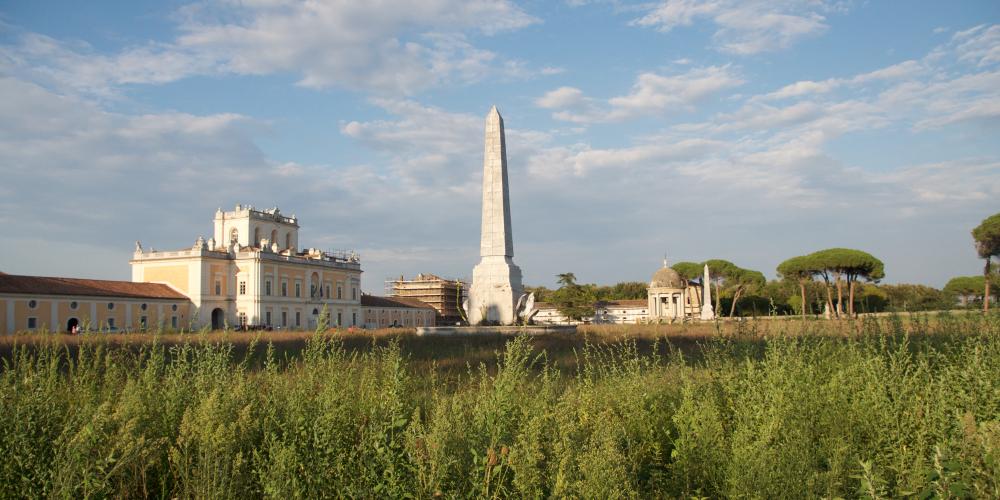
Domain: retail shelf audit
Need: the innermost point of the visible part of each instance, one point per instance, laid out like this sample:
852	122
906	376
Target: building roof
666	277
44	285
377	301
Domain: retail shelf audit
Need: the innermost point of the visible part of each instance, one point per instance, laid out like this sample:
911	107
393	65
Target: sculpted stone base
496	286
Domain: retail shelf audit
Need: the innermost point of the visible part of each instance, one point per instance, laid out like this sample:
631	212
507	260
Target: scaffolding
445	295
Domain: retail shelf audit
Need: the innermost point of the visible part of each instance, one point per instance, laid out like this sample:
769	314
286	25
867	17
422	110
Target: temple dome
666	277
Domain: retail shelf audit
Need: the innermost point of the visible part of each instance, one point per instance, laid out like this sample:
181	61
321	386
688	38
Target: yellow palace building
250	272
66	304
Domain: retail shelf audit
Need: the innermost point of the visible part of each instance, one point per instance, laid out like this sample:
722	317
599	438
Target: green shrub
897	409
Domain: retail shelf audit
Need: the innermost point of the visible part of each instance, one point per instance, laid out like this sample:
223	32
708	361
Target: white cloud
956	181
756	116
101	180
742	26
652	94
655	94
561	97
980	45
805	87
956	82
387	46
79	68
429	149
384	47
897	71
60	153
554	163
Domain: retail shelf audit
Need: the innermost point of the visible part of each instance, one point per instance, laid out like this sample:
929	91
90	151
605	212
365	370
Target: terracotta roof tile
44	285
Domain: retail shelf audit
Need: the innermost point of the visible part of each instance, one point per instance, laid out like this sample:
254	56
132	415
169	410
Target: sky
746	130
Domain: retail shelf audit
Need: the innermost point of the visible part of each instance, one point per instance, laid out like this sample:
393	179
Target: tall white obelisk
707	312
496	280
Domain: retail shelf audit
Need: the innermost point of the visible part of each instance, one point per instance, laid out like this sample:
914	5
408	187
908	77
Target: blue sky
746	130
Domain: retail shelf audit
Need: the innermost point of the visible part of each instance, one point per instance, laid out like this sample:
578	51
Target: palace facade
250	272
69	304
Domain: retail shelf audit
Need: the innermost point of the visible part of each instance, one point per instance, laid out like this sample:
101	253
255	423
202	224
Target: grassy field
876	407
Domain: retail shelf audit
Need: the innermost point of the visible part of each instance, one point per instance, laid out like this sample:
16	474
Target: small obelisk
496	280
707	312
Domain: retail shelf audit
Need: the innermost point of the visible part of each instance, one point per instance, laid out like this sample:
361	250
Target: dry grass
456	354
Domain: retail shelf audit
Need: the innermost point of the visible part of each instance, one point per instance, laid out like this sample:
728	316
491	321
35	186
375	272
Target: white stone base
707	314
496	286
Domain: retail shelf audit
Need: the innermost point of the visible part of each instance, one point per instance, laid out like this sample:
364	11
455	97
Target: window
256	237
143	307
142	322
111	306
315	311
298	319
288	240
339	320
218	287
73	305
32	304
327	290
173	322
267	288
298	289
284	318
111	323
243	288
242	318
354	293
173	307
32	323
354	318
284	289
267	318
340	292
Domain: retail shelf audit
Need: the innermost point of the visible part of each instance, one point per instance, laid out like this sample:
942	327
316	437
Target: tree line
837	282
